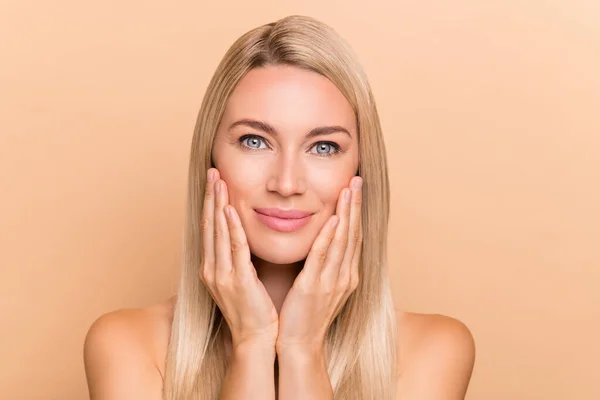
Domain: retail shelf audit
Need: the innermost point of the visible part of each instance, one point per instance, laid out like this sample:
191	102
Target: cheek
241	185
240	173
329	183
331	200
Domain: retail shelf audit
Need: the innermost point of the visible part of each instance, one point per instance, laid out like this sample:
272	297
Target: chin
279	251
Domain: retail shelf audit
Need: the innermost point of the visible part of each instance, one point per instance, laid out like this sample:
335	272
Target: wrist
301	361
259	348
300	351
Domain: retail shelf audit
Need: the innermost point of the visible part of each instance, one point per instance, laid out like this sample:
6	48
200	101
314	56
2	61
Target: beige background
490	113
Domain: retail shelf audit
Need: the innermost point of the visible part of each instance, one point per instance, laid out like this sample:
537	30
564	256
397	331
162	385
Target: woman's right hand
228	273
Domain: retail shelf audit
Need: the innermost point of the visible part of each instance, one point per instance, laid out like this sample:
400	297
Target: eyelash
336	147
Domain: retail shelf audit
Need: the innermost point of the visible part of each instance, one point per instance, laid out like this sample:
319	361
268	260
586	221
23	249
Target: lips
285	214
283	220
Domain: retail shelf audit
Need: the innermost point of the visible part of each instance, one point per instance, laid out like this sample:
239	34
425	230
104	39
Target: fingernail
357	183
211	175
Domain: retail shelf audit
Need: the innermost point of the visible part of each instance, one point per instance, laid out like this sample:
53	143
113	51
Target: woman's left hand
329	276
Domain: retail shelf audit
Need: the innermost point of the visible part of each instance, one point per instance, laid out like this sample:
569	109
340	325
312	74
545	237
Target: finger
356	259
335	253
222	244
318	251
207	223
240	252
354	229
354	272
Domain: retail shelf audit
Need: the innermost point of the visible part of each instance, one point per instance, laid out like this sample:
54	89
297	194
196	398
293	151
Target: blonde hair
361	342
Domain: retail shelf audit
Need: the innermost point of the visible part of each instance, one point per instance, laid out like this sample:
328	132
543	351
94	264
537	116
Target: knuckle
238	245
358	199
354	281
204	225
207	281
242	281
343	285
303	286
206	275
342	242
217	234
208	191
221	282
330	288
321	256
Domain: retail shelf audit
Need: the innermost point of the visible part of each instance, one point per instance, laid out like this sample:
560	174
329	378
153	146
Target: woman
284	289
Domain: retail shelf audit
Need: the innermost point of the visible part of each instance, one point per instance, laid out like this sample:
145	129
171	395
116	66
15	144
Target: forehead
289	97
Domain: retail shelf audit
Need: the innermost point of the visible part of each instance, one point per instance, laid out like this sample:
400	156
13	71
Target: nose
287	177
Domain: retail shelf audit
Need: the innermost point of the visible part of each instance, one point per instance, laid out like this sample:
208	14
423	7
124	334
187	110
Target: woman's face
278	165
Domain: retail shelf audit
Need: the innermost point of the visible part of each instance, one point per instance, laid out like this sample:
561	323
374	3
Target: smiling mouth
283	224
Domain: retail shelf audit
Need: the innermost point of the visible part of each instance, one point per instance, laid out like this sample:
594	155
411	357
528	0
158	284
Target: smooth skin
231	278
279	298
228	272
329	275
125	352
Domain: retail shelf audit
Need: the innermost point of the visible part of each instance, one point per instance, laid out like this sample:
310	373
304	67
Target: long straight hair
361	341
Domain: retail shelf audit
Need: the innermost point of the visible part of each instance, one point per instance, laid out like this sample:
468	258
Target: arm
117	365
303	375
250	373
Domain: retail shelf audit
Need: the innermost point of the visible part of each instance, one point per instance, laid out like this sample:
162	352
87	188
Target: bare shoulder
124	352
437	355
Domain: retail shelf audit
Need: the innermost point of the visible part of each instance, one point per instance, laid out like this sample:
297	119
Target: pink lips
283	220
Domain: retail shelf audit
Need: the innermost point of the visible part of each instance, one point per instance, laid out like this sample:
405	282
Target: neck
277	278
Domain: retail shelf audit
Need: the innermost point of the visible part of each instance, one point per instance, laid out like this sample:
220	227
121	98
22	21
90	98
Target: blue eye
325	146
255	140
251	139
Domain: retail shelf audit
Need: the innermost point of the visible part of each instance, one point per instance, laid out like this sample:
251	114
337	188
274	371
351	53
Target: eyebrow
265	127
